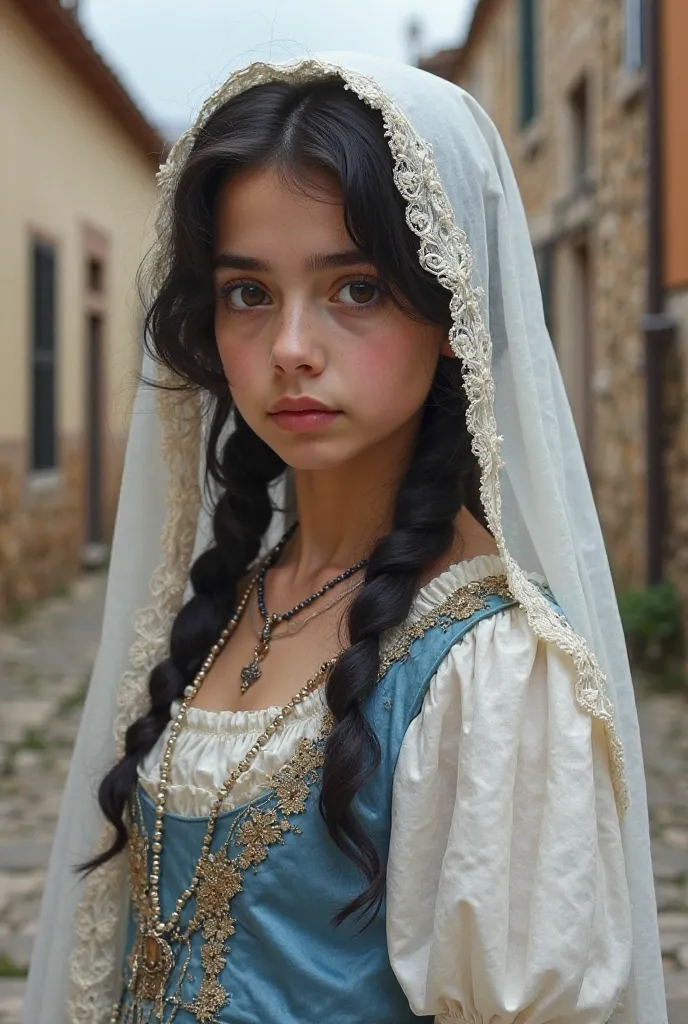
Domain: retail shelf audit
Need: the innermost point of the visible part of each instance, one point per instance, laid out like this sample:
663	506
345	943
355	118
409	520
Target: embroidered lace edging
445	253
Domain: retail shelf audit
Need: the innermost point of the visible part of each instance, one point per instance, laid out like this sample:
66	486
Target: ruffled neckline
456	576
428	597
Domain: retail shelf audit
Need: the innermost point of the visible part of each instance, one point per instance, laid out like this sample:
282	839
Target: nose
297	343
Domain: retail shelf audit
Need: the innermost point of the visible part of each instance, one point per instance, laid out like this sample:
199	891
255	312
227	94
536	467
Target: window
544	258
579	131
634	44
94	273
528	62
43	434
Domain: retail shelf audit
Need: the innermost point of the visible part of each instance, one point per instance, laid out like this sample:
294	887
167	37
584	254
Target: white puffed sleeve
507	896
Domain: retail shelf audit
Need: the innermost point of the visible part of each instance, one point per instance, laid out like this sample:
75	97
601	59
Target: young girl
365	764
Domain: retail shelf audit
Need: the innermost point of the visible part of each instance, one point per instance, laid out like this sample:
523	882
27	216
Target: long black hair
302	131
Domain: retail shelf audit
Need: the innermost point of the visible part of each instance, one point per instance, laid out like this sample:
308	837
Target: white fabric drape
463	204
506	833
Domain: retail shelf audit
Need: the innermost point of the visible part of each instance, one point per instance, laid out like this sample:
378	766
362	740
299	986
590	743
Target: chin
313	461
314	453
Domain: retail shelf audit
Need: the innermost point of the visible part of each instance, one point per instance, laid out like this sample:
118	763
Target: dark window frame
544	260
580	131
43	441
528	92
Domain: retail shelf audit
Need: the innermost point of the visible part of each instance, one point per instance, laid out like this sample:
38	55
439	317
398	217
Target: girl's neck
343	511
338	526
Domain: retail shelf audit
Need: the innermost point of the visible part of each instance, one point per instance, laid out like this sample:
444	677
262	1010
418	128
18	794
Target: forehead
259	212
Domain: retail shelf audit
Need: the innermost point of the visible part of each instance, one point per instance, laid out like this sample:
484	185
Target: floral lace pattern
444	252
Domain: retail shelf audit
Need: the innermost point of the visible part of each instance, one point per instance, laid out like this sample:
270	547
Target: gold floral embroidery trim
458	607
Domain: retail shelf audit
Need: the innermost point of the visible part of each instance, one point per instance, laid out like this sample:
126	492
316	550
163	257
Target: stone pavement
44	668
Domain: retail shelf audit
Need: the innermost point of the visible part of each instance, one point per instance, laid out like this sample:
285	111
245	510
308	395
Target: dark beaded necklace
251	673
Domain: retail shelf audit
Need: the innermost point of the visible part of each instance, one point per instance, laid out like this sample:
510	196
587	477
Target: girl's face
300	314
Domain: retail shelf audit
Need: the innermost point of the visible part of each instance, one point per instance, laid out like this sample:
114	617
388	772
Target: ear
447	350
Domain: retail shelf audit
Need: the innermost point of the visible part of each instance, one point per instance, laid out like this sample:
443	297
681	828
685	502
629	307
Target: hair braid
241	517
427	503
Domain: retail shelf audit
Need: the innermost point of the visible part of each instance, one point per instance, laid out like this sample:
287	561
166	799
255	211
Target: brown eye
360	293
244	296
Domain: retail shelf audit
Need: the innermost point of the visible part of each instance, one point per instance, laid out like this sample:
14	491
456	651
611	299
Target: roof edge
63	33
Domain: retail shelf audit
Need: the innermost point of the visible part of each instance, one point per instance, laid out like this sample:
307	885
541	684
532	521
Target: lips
302	404
306	418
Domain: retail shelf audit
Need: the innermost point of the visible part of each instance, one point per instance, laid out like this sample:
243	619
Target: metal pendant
152	968
251	673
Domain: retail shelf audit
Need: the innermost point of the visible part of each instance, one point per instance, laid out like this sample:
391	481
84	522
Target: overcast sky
171	53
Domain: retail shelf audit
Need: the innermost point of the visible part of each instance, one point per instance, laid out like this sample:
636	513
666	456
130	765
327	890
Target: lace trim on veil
445	253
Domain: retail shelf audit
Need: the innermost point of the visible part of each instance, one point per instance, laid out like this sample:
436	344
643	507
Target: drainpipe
658	326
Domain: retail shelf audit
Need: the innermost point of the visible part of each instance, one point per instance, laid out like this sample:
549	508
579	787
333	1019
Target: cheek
238	362
395	372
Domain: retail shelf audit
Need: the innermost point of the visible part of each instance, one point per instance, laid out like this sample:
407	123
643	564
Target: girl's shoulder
445	610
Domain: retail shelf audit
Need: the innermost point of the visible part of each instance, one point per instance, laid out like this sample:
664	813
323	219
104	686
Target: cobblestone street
44	667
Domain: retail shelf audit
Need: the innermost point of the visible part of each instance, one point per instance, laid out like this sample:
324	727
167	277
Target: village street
44	667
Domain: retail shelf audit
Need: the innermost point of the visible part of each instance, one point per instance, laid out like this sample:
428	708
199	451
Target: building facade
674	173
566	85
77	187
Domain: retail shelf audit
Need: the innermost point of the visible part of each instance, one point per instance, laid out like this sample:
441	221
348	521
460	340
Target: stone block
670	864
24	856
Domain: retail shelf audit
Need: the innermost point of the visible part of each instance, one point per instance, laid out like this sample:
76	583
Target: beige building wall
66	165
67	168
588	223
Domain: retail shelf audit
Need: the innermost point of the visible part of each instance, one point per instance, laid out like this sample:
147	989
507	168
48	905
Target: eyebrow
318	261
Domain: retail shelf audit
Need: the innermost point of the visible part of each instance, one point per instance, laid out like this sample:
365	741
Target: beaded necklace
154	959
251	673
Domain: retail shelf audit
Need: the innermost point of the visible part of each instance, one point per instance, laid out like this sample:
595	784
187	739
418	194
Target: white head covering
464	206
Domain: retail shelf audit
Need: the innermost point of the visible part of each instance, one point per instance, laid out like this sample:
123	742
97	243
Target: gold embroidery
262	829
138	870
219	883
459	606
292	794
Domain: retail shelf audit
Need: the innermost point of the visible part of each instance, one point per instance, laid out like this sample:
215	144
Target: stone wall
676	464
601	212
621	261
42	522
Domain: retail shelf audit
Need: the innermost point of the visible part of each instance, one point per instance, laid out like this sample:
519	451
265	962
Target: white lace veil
464	206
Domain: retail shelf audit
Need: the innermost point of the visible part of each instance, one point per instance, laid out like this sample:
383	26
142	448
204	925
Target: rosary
251	673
